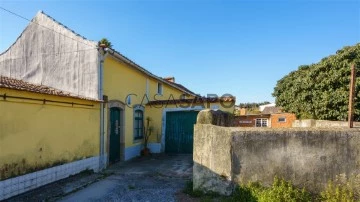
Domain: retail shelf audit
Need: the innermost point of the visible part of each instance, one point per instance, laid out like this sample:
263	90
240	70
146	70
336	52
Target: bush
334	193
280	191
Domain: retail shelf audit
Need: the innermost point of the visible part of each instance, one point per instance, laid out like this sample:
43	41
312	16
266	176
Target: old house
68	105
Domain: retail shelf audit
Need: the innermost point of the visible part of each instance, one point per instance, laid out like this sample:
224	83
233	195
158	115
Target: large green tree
321	90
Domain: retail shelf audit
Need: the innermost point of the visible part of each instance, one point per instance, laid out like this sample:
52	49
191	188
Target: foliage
251	107
106	42
280	191
321	90
147	132
334	193
252	104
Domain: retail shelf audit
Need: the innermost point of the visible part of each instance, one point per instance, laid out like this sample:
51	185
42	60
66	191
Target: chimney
243	111
170	79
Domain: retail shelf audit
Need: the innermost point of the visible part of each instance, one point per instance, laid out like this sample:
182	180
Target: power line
24	18
48	54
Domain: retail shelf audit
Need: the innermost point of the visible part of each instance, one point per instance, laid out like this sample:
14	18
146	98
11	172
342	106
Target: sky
210	46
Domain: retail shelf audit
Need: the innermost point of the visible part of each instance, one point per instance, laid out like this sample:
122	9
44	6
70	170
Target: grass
279	191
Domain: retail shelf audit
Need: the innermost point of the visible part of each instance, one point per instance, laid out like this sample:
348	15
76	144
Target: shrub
280	191
334	193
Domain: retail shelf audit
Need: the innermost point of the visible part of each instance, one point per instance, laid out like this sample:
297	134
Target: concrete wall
226	156
312	123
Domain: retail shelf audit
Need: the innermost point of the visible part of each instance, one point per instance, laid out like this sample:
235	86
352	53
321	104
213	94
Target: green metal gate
180	131
114	135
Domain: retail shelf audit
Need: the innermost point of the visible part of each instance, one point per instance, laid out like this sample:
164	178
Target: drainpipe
102	54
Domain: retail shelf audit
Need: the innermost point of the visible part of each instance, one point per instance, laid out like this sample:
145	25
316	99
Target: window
138	124
261	123
160	89
282	119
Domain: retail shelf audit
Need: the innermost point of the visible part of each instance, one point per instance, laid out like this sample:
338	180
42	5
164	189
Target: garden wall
309	157
308	123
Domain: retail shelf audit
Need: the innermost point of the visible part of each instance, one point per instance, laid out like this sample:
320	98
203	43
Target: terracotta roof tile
11	83
194	100
271	110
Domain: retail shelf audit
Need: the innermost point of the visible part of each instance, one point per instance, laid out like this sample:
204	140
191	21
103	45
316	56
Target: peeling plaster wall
63	61
35	136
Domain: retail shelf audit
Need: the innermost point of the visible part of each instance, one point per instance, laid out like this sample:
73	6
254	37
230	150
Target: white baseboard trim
18	185
155	147
133	151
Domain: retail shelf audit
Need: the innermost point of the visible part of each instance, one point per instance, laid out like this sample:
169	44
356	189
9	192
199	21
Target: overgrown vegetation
334	193
280	191
252	104
106	42
321	90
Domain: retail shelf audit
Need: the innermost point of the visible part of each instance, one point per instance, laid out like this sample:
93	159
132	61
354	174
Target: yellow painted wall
121	80
34	135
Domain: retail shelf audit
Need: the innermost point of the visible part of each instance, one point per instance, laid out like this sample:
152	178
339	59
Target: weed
334	193
197	193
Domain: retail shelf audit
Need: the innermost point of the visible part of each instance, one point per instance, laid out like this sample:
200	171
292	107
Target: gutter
102	55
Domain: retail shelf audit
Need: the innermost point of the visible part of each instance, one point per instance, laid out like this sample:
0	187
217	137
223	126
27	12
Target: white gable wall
42	56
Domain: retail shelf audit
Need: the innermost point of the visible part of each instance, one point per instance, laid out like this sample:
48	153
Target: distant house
270	117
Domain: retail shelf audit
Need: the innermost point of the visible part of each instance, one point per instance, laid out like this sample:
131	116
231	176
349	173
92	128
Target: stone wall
309	157
308	123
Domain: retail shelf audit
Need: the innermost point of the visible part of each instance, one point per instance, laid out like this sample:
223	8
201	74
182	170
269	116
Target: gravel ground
143	188
156	179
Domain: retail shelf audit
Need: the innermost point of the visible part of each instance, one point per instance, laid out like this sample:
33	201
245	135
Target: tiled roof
10	83
183	87
271	110
195	100
172	80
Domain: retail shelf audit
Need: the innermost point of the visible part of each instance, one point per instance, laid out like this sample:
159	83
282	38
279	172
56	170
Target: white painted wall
48	53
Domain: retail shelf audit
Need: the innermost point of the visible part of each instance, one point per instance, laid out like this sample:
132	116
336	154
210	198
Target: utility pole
351	96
